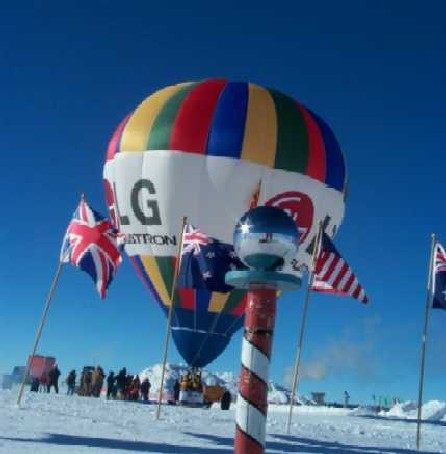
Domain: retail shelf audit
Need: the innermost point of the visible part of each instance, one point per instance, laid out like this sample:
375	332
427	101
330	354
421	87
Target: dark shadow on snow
299	444
224	445
125	445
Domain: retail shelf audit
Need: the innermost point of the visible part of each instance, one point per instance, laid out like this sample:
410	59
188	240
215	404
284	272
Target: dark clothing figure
71	382
145	390
43	382
53	379
121	382
35	384
176	391
110	383
225	400
346	399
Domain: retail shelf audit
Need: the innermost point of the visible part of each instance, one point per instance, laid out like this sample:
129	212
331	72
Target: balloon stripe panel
136	132
166	271
191	126
316	157
160	132
228	125
187	298
115	142
292	140
203	298
335	164
153	274
142	273
234	300
259	141
218	301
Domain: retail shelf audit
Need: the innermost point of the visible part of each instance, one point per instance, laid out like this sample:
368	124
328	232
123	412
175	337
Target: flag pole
296	374
40	328
424	337
169	317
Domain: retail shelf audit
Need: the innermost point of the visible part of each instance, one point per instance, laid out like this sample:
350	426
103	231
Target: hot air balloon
210	150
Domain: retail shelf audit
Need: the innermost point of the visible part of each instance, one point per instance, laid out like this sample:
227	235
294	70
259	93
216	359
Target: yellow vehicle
212	393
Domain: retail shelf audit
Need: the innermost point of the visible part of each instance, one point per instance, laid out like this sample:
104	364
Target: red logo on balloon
110	198
299	206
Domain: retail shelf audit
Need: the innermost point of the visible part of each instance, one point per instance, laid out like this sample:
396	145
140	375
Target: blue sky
374	70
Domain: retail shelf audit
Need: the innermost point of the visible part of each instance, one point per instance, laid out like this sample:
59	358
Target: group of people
48	380
127	387
92	380
121	386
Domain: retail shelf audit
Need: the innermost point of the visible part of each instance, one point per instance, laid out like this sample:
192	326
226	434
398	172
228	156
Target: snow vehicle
195	393
191	389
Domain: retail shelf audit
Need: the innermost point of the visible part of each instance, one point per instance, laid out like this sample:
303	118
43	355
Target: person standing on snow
71	382
110	383
225	400
121	382
134	388
176	391
145	390
86	383
97	381
53	379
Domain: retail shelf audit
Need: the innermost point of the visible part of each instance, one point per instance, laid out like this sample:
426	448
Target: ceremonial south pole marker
263	239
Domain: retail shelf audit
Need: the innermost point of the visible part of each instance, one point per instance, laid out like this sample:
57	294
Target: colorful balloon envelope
210	150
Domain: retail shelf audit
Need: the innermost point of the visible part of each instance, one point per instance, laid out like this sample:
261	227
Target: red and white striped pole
252	402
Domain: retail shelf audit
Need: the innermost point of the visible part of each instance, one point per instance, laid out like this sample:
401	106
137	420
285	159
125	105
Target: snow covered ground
59	424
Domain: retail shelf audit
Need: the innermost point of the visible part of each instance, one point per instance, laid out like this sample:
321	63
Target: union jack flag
193	240
91	244
439	278
334	275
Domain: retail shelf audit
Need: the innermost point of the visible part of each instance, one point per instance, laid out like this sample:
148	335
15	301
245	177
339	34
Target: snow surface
49	424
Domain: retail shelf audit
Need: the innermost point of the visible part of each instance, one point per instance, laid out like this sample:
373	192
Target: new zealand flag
205	261
439	284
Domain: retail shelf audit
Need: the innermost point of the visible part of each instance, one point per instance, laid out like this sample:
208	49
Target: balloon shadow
124	445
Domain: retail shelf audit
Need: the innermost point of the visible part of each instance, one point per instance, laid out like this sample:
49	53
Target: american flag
334	275
439	278
91	244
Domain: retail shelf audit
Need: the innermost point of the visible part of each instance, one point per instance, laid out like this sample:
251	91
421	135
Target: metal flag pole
296	375
40	328
169	316
424	337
